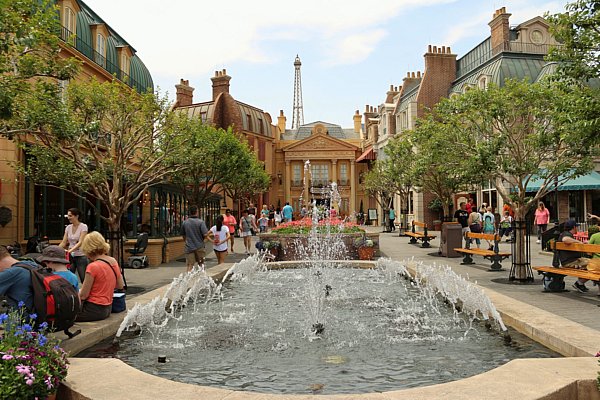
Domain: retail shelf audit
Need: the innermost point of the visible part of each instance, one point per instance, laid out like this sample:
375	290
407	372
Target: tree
440	165
578	31
107	141
514	134
29	56
215	158
377	183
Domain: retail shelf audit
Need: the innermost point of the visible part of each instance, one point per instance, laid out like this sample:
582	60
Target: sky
351	51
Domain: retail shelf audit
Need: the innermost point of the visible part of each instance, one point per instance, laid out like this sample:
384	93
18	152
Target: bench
578	273
422	236
493	255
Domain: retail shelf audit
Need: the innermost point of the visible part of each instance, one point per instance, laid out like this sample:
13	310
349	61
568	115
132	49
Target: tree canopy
107	141
29	55
216	159
578	31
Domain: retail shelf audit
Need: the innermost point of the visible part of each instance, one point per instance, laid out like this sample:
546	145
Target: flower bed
32	365
304	227
292	238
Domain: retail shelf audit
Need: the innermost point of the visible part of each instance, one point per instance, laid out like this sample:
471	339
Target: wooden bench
493	255
422	236
578	273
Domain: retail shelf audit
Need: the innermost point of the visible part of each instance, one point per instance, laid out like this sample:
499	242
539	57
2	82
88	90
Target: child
55	258
263	223
505	225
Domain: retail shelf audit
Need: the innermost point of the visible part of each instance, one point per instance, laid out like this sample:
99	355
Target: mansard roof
333	130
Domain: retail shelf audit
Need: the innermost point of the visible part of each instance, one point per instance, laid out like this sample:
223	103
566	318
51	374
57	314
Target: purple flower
7	357
21	304
27	328
42	340
29	382
3	318
33	316
43	325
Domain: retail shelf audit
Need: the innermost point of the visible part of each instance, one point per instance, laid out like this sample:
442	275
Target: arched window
482	83
100	50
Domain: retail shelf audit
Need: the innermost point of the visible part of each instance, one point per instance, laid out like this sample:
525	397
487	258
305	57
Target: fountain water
321	324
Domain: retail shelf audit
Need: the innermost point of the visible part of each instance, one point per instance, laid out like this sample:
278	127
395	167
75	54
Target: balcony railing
99	59
509	47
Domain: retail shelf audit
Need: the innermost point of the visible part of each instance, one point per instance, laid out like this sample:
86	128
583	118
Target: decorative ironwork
298	112
520	270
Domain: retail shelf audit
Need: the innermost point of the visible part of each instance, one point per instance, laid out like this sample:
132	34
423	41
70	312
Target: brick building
515	52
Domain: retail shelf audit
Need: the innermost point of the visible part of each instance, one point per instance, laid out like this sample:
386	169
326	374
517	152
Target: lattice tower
298	113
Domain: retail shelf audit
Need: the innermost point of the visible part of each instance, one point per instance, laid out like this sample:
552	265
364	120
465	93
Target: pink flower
29	382
7	357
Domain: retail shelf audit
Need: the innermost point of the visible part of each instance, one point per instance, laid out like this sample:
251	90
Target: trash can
451	238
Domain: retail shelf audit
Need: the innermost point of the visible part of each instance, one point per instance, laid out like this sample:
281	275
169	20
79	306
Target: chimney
281	120
185	93
357	121
440	72
389	96
500	30
220	83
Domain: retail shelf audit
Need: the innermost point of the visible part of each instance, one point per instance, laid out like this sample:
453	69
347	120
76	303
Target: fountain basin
527	379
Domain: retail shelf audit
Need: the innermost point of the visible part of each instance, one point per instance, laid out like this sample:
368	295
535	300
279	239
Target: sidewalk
578	307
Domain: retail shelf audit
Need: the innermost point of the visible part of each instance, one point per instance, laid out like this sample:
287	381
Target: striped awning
368	155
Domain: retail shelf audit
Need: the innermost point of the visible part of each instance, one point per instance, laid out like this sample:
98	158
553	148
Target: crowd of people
81	258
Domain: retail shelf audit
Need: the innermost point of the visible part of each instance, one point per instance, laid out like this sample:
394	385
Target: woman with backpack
102	277
489	225
247	224
474	222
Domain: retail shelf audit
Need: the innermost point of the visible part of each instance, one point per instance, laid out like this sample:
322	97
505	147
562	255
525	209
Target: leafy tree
111	144
214	159
513	134
29	55
578	31
376	183
440	165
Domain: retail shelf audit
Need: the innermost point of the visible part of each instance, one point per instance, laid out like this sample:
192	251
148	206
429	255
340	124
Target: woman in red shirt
102	277
542	216
230	222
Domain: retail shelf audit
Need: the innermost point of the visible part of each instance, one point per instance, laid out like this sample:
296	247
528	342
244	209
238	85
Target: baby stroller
137	259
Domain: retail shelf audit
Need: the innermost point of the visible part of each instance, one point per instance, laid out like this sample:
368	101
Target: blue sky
351	51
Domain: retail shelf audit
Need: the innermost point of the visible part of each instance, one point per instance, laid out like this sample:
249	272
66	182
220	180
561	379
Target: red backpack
55	300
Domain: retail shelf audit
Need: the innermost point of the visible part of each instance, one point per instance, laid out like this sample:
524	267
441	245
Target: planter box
294	246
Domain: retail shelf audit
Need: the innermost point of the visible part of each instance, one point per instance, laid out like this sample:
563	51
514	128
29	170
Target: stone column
334	170
353	184
306	188
288	182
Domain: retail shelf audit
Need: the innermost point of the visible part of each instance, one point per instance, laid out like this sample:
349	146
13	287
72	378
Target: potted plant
272	246
365	248
32	364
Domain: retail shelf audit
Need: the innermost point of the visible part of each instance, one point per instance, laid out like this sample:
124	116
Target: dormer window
100	50
125	64
482	82
69	25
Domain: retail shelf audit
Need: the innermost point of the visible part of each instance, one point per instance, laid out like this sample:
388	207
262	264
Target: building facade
510	52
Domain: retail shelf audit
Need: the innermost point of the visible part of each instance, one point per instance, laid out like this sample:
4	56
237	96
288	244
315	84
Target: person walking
194	232
287	212
542	216
73	238
277	216
219	235
247	223
230	221
475	225
392	219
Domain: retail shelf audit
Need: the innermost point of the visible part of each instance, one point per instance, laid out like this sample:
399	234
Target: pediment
319	142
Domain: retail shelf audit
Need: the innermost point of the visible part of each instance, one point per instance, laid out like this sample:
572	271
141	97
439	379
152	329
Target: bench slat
584	248
421	224
485	236
480	252
579	273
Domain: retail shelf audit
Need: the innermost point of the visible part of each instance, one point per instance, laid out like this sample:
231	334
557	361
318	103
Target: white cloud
192	38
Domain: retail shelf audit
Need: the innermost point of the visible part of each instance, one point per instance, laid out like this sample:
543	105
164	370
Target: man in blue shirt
15	282
287	212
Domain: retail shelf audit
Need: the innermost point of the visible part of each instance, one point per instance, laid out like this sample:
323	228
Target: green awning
590	181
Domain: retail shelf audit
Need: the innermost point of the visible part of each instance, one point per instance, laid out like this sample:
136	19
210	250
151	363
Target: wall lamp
279	178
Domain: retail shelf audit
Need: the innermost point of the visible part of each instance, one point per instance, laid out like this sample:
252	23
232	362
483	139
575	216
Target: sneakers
580	287
537	241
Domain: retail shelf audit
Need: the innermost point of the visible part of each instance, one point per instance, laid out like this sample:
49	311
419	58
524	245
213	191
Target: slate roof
333	130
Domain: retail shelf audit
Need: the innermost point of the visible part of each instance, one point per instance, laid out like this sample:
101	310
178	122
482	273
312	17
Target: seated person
15	282
102	277
55	258
572	259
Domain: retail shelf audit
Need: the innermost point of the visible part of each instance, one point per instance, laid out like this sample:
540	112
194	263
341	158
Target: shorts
245	234
220	251
580	263
196	256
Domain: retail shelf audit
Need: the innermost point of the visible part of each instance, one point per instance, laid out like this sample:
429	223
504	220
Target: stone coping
572	378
